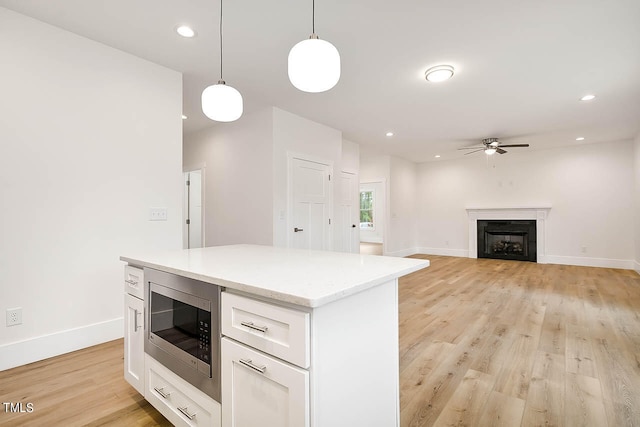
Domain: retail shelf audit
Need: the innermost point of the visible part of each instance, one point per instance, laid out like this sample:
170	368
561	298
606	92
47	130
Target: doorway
193	209
372	218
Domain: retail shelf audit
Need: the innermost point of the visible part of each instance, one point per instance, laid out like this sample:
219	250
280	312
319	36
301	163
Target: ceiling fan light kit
220	102
314	64
491	146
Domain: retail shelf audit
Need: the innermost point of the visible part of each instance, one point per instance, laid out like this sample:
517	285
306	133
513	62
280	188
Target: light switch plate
157	214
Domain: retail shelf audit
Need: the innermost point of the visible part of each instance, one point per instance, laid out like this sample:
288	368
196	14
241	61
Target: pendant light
314	64
221	102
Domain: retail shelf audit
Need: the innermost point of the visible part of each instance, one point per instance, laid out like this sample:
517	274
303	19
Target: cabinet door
260	391
134	342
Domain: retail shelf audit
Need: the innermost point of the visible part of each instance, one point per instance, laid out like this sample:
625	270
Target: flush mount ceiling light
314	64
587	98
184	117
439	73
220	102
185	31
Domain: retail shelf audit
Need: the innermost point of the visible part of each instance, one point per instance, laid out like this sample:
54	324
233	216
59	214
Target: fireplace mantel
538	213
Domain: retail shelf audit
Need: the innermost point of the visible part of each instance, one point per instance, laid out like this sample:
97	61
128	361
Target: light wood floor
370	248
490	343
482	343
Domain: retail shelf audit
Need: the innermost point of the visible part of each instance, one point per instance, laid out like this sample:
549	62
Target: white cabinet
180	402
280	331
134	364
259	390
346	354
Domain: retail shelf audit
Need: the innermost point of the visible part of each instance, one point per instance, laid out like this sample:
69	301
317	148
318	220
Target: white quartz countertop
303	277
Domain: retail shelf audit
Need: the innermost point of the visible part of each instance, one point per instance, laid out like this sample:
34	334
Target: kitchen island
308	338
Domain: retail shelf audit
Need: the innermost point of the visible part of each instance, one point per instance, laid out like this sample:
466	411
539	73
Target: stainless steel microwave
182	328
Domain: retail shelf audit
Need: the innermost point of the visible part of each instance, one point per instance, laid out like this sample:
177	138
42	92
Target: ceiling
521	66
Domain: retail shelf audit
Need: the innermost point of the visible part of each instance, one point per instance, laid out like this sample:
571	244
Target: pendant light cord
313	16
221	40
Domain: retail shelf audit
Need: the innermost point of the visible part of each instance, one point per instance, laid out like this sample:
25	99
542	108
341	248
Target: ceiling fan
491	146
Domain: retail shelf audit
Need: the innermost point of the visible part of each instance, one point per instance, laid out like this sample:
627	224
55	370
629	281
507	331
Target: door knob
295	230
353	226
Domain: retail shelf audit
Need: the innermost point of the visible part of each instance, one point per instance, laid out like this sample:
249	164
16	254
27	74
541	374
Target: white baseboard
636	266
402	252
625	264
34	349
462	253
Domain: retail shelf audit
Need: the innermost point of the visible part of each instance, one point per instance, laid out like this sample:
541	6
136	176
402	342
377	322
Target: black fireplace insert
507	239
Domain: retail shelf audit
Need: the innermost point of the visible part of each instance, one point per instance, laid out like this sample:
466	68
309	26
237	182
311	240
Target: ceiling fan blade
475	151
472	148
514	145
500	150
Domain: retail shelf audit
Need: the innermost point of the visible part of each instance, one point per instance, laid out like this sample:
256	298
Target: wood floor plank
545	400
501	411
583	402
468	401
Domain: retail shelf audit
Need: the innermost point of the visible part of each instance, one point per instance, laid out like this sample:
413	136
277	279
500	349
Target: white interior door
348	235
310	205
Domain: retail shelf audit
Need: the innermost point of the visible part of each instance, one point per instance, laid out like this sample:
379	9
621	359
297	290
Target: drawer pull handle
132	282
249	364
162	393
186	413
135	320
250	325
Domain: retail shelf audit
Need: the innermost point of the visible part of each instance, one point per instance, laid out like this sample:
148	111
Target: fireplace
507	239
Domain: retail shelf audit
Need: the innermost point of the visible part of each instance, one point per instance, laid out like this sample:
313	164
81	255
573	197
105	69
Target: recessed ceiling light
587	98
185	31
439	73
184	117
437	156
389	133
580	138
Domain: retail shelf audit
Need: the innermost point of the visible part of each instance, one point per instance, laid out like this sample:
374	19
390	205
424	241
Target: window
366	210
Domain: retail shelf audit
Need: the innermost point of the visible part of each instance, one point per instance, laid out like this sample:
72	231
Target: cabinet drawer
259	390
279	331
180	402
134	281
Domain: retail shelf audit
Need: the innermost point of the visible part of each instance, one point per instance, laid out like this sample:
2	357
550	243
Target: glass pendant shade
222	103
314	65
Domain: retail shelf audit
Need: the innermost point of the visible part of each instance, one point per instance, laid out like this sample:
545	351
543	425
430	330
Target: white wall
589	187
238	178
637	203
401	234
350	156
294	134
90	138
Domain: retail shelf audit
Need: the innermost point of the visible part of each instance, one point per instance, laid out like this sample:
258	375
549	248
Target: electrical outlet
14	316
